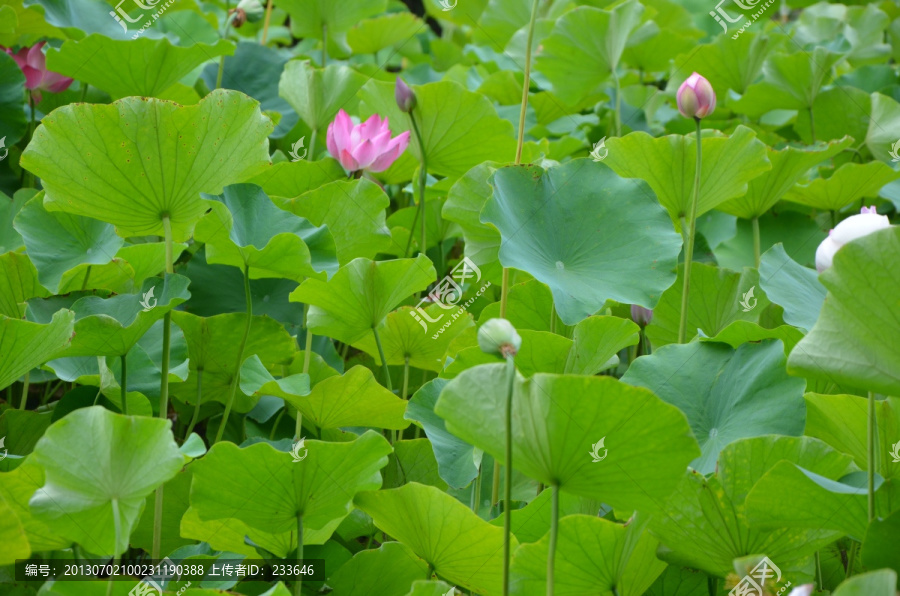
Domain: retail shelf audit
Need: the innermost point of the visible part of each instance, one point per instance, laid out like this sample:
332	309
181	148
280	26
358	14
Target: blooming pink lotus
366	146
34	66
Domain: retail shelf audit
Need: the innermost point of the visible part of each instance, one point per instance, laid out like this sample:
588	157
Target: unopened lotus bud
640	315
498	336
696	98
253	10
406	99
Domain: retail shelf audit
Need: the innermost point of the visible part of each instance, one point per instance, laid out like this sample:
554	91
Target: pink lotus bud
855	226
367	146
640	315
32	62
406	99
696	98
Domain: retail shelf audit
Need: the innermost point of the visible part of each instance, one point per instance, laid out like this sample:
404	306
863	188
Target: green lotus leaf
175	504
315	18
58	242
144	67
465	200
854	340
883	122
257	381
460	547
213	344
433	587
680	581
77	18
405	336
18	284
245	229
317	94
352	399
874	583
529	305
457	460
24	345
799	233
460	129
726	63
556	420
592	554
719	297
267	490
532	522
413	461
361	294
727	394
373	35
293	178
541	352
742	332
389	570
668	165
13	125
102	161
12	532
624	251
354	213
94	484
706	525
788	167
17	487
877	551
10	239
791	286
848	184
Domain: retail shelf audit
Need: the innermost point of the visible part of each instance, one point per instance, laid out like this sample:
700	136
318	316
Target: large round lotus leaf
18	284
361	294
94	481
846	185
389	570
12	117
618	244
465	199
856	340
292	178
245	229
316	18
460	546
267	490
124	163
58	242
878	550
15	540
727	63
668	165
372	35
719	297
706	525
726	394
17	487
557	419
143	66
460	129
882	582
791	286
884	119
317	94
24	345
593	555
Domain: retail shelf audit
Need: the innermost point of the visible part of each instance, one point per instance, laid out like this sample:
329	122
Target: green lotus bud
253	10
498	336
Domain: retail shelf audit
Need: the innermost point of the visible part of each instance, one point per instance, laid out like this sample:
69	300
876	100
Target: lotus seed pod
498	336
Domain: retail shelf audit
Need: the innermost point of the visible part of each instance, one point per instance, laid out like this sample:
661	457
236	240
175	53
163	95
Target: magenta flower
32	62
366	146
696	98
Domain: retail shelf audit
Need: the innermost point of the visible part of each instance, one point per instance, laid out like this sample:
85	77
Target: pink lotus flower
366	146
855	226
696	98
33	64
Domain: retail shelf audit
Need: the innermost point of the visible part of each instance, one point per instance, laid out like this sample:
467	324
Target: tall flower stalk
696	99
406	101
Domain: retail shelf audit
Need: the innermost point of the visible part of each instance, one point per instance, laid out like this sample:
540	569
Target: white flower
855	226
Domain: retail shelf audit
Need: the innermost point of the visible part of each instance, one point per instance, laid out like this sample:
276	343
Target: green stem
29	177
554	530
812	125
298	583
495	484
163	386
265	33
689	248
324	45
756	242
384	365
124	385
311	154
25	383
224	36
423	178
196	417
405	389
240	359
118	533
851	558
275	426
307	356
871	431
476	492
552	316
84	88
834	218
618	106
87	276
526	84
818	572
507	484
